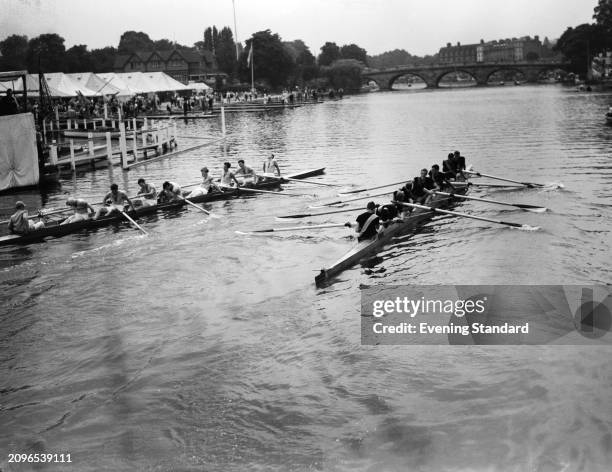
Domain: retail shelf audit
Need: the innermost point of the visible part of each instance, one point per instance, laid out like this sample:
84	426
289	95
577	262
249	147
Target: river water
195	348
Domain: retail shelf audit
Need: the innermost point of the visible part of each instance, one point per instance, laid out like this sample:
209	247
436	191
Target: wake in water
114	244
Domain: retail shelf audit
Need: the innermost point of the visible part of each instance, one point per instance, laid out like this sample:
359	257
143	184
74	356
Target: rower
246	172
449	166
228	177
418	193
82	210
171	192
426	181
148	192
20	222
207	186
367	223
114	201
270	166
459	162
438	178
387	214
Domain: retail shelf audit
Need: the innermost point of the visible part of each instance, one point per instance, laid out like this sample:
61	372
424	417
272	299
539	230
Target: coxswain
171	192
82	210
367	223
20	223
207	186
246	172
114	201
270	166
148	192
228	177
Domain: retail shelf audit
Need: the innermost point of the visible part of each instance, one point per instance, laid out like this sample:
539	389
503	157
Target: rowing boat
369	247
55	229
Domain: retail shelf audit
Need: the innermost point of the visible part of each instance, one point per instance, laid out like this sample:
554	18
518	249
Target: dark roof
121	60
188	55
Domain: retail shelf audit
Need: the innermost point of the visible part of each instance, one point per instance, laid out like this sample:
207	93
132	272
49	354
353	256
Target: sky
420	27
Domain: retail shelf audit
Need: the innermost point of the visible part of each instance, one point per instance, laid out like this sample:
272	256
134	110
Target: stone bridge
480	71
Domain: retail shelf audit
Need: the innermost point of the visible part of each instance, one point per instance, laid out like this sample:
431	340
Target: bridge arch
422	81
461	74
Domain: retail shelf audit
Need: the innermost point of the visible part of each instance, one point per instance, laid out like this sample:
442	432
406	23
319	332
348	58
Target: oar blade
531	208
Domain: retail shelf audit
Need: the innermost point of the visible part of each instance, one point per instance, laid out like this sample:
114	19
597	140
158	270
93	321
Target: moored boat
368	248
55	229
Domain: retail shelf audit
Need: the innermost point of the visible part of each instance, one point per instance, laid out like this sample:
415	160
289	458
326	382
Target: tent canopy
64	83
95	83
113	79
33	87
198	86
150	82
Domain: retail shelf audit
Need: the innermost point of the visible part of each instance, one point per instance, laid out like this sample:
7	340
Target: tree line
276	63
579	44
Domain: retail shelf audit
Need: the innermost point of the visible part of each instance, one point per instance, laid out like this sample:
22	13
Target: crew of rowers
117	201
419	190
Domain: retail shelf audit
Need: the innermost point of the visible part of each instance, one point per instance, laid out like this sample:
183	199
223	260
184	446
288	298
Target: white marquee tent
95	83
33	86
66	84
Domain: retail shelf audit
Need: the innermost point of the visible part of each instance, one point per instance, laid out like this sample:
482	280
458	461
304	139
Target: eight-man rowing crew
117	201
420	191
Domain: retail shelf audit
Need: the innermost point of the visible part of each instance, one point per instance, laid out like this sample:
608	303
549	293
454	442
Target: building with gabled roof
181	64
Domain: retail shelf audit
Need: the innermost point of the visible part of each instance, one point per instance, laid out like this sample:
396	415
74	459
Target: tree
603	15
397	57
345	74
46	53
13	49
271	60
330	52
103	59
207	44
580	44
352	51
163	45
305	63
226	51
132	41
78	59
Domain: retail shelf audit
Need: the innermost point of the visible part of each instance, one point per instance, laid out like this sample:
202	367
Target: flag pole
235	30
252	65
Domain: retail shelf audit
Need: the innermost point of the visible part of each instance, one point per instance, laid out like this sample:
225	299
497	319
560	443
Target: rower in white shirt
270	166
207	186
245	172
228	177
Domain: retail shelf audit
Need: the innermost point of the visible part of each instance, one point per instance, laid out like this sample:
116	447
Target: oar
42	214
522	206
371	188
456	213
306	215
272	176
293	228
338	202
472	184
528	184
127	217
280	194
189	202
